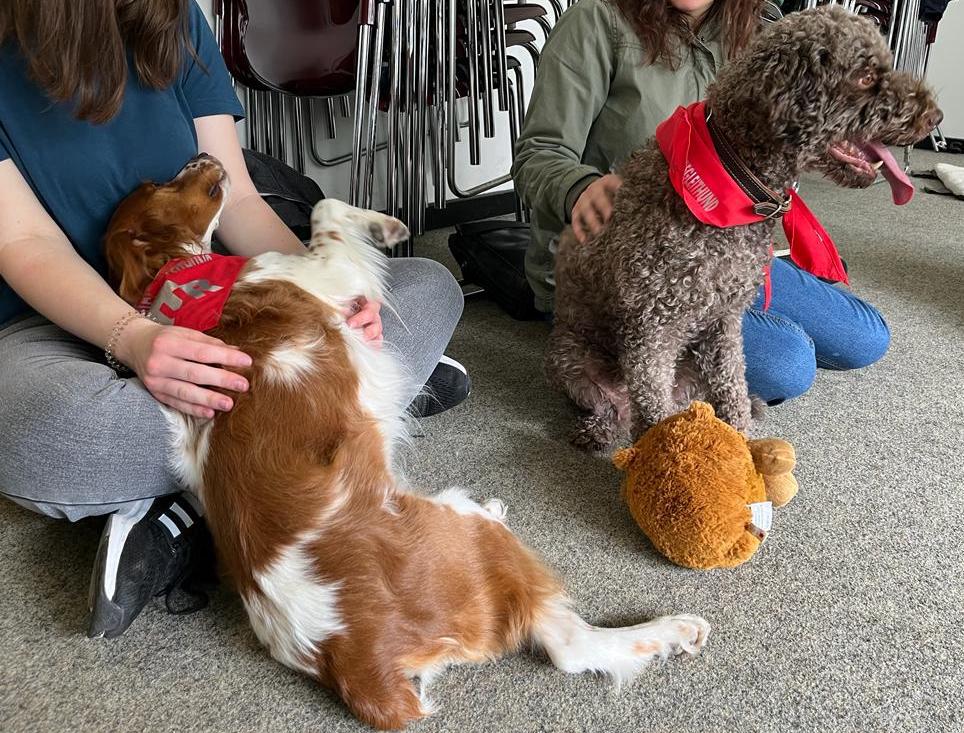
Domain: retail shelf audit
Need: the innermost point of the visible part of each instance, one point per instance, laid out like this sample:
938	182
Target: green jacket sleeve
571	88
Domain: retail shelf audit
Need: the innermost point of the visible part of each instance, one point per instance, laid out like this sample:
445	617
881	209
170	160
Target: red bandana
191	291
714	198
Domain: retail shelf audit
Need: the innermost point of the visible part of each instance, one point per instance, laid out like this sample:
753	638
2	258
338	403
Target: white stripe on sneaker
452	363
185	517
118	527
169	523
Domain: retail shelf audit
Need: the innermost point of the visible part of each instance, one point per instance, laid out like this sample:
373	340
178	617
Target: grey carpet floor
848	619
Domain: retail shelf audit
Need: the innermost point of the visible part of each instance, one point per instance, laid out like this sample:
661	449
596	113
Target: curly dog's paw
758	408
595	433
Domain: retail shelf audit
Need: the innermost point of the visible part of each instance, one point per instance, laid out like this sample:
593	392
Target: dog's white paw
691	633
496	507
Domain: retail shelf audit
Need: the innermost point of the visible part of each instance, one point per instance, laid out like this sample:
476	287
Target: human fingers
184	344
187	397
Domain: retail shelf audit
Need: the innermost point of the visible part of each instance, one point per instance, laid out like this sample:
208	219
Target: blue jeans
809	324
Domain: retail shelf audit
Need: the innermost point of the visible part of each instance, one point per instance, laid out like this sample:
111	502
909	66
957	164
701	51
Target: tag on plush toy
761	517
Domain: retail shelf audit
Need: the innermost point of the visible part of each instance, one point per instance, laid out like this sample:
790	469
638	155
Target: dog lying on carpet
656	299
344	574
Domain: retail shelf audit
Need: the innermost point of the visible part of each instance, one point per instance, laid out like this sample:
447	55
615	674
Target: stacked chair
420	62
286	54
411	67
414	69
910	32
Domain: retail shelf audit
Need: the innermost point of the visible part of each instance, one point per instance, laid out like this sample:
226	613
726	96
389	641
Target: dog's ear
127	264
122	256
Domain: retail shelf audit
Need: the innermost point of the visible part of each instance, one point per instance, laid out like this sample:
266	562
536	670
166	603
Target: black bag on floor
291	194
491	254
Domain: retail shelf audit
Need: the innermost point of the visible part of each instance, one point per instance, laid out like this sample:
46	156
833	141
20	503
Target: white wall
945	69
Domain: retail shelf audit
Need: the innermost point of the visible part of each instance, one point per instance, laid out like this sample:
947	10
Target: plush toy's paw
772	456
775	459
780	489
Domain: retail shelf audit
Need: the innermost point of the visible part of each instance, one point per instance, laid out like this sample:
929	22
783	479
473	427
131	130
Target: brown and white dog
345	574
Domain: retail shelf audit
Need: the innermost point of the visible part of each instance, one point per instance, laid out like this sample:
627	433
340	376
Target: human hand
367	317
594	206
173	363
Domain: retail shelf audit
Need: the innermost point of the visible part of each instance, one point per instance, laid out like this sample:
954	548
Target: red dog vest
713	197
191	291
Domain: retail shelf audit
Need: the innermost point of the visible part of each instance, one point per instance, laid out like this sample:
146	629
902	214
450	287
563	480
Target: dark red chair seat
302	47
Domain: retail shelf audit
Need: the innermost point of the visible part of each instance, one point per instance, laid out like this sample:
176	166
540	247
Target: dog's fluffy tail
620	653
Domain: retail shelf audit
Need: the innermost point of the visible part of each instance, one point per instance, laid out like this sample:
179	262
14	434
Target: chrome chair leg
503	76
377	53
408	187
296	115
475	149
249	117
438	116
263	128
332	126
307	110
361	90
545	26
394	113
421	108
282	127
485	75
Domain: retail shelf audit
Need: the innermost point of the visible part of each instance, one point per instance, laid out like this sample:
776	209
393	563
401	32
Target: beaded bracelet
115	333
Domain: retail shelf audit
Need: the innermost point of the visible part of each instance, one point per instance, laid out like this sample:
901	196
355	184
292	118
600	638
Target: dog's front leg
648	363
719	359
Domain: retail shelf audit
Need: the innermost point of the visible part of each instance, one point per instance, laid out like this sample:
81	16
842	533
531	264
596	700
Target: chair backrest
303	47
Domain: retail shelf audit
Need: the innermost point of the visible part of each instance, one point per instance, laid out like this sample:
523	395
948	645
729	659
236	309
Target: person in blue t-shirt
96	97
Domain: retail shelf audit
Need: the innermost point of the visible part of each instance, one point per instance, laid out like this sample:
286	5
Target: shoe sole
107	618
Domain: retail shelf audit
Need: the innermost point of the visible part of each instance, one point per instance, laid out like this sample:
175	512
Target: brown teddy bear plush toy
701	491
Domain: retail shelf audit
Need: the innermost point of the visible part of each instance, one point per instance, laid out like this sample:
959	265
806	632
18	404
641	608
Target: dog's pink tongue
900	186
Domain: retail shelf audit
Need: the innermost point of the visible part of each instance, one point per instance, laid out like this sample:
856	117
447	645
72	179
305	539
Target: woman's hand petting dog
176	364
594	206
367	317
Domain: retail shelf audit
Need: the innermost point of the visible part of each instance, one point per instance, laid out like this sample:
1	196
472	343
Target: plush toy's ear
700	410
622	459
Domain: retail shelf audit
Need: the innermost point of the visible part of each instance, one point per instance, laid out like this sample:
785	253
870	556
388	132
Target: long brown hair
76	50
661	28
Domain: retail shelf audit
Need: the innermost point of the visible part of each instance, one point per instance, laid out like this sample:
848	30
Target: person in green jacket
610	72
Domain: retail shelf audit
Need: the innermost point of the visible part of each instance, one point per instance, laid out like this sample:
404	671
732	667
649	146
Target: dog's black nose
935	118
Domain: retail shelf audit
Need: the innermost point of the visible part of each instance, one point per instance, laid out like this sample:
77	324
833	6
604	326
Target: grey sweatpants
76	441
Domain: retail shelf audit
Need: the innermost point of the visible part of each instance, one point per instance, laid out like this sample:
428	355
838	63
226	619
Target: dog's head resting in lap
161	222
816	91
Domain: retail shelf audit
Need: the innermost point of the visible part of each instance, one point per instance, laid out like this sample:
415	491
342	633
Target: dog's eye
867	80
214	190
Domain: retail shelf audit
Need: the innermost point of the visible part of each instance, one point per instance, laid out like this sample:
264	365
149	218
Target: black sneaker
448	386
145	552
